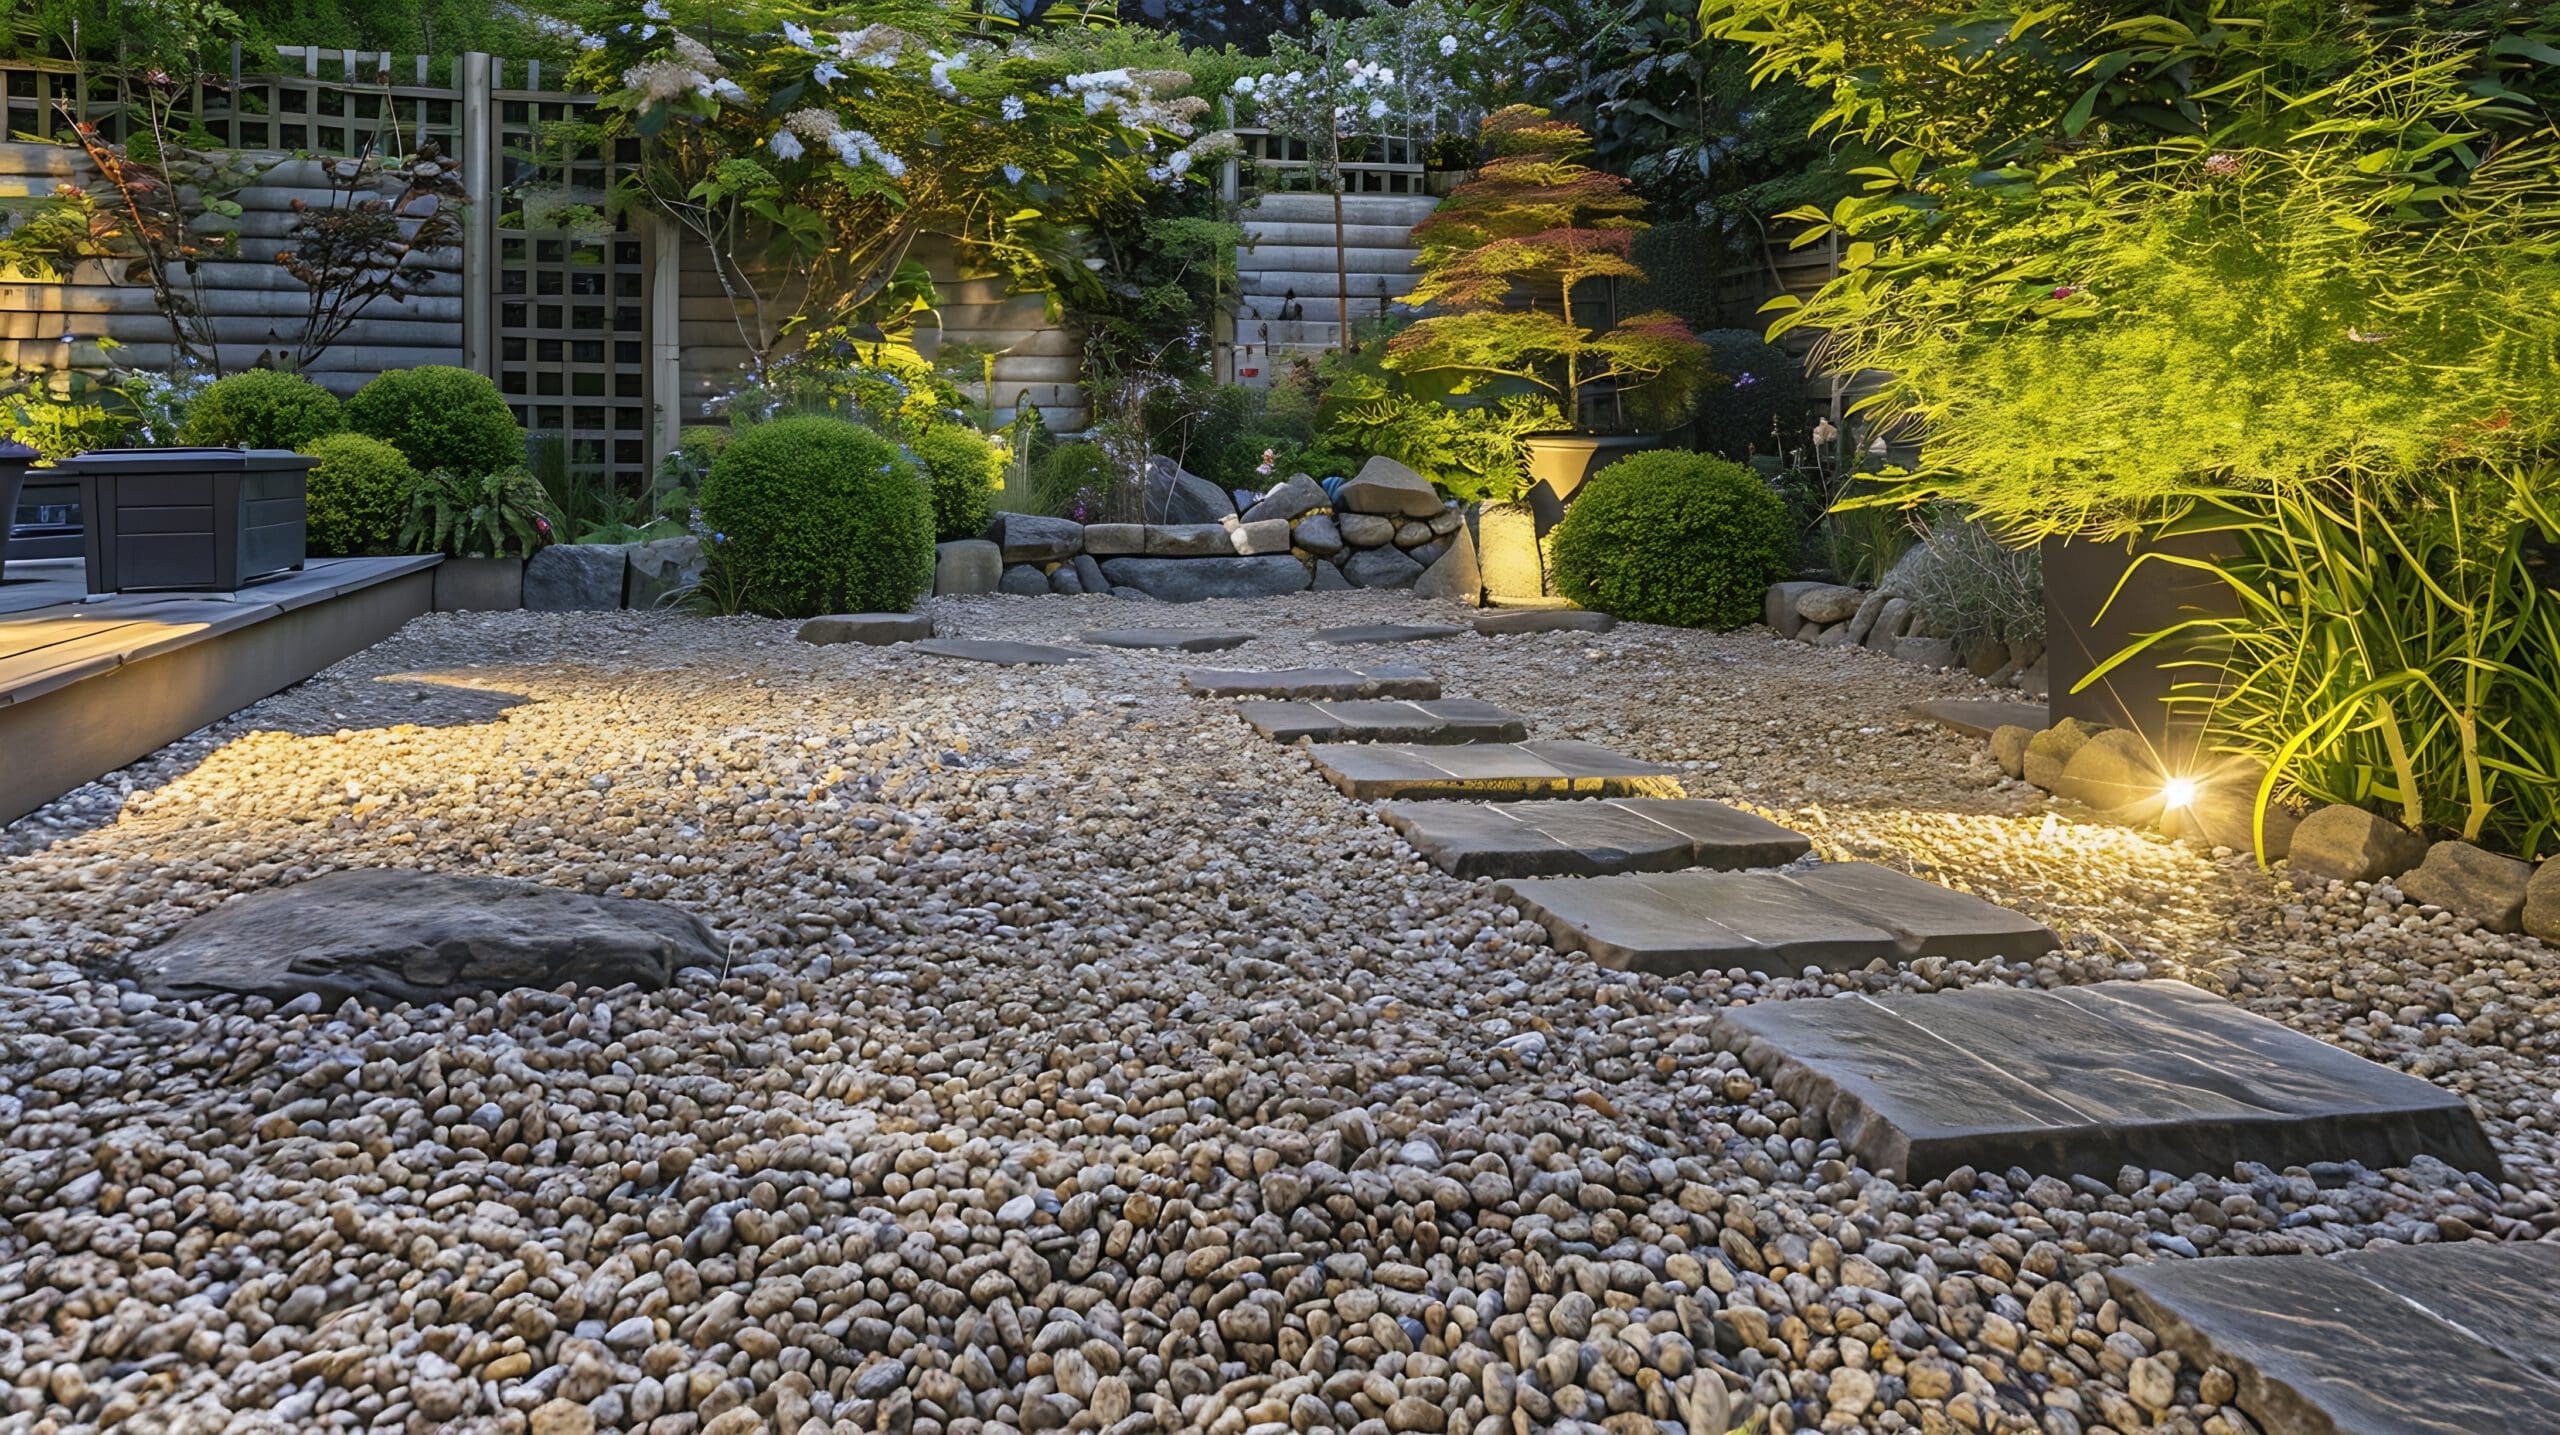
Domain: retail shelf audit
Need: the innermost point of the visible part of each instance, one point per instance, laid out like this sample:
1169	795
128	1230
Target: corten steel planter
2080	577
14	458
201	519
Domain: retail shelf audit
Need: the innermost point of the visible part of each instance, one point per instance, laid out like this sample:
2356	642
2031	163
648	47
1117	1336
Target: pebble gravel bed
1084	1062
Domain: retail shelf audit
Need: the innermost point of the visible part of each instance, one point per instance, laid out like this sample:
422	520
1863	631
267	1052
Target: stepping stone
1838	916
877	629
2088	1080
1007	654
1383	633
2459	1338
1490	770
1439	721
1312	684
1977	717
392	935
1543	620
1589	839
1178	640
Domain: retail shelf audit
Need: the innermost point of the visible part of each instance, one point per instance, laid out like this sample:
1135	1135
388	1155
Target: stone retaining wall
1385	528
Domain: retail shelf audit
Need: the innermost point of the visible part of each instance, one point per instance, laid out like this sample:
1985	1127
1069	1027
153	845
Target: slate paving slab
876	629
1372	771
2087	1080
1442	720
1836	916
2455	1338
1383	633
1008	654
1590	839
1311	684
1977	717
1543	620
1172	640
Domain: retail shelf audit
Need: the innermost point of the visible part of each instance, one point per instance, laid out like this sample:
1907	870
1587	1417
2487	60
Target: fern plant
506	514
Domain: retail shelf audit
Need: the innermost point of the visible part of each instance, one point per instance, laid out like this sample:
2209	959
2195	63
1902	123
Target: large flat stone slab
393	935
1977	717
1172	640
1312	684
876	629
1542	620
1590	839
2088	1080
1491	770
1383	633
1439	720
1837	916
998	651
2447	1339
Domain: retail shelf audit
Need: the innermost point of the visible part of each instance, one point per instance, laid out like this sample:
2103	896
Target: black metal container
2093	611
14	458
202	519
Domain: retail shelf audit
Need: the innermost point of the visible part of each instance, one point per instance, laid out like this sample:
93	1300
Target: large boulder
2051	750
384	936
1318	534
1024	580
2114	771
1778	607
2542	903
2472	882
1388	488
1262	535
1297	498
1189	580
967	565
1507	550
660	569
1892	624
1381	568
576	577
1175	495
876	629
2009	747
1829	603
1365	530
1453	574
2345	843
1189	540
1036	538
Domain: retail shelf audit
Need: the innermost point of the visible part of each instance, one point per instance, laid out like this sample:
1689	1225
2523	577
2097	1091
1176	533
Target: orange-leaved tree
1538	224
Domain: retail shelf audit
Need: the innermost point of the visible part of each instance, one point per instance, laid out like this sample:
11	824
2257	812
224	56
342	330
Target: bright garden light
2179	792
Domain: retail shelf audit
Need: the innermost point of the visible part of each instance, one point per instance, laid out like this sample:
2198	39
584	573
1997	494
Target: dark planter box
48	517
201	519
14	458
2079	579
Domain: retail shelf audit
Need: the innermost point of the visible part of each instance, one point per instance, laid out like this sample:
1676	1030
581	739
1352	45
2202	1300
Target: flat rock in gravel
1172	640
390	935
1311	684
2087	1080
1980	717
2472	882
1589	839
877	629
1543	620
2454	1338
1383	633
1007	654
1491	770
1439	720
1838	916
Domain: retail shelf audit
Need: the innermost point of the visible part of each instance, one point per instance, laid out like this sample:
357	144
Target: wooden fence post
664	257
477	148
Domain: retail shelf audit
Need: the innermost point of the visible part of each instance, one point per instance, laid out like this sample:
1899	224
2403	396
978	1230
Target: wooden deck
86	687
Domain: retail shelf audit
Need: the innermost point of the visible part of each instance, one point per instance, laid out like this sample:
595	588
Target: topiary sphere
961	467
819	515
1677	538
359	495
439	416
261	408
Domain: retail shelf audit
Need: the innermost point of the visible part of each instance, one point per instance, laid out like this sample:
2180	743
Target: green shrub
1759	406
359	495
1075	481
261	408
1976	589
1677	538
961	467
440	418
506	514
818	515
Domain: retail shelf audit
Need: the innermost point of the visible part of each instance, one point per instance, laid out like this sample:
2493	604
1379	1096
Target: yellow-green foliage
1676	538
358	495
261	408
817	515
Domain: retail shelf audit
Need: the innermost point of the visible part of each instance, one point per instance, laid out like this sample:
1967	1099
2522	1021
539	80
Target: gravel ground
1086	1063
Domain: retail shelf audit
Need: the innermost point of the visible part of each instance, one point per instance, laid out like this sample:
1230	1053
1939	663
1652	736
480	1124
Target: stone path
1383	633
1589	839
1006	654
1542	620
1312	684
2457	1338
2087	1080
1837	916
1176	640
1441	720
1490	770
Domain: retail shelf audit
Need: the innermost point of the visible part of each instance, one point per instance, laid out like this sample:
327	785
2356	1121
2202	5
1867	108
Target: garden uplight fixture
2178	792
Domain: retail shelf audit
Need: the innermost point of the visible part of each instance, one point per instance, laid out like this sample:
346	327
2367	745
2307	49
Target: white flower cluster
1137	99
874	47
691	69
853	148
940	74
1177	167
552	27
